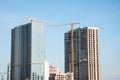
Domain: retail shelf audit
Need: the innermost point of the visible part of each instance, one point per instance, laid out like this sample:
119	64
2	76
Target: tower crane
72	40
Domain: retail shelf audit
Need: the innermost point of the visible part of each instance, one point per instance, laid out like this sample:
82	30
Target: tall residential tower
86	53
27	52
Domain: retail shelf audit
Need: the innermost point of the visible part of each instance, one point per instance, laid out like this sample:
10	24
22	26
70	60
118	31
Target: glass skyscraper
27	52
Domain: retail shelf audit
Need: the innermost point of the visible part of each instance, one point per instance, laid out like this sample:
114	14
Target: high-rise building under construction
27	52
86	53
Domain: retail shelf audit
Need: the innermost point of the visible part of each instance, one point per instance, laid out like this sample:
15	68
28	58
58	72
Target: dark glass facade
27	45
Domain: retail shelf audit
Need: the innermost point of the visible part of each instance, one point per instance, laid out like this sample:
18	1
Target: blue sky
104	14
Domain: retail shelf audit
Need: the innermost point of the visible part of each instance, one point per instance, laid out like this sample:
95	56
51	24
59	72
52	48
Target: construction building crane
72	40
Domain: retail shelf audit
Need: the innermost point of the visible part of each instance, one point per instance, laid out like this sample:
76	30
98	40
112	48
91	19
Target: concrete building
57	76
61	76
86	49
27	52
54	74
53	69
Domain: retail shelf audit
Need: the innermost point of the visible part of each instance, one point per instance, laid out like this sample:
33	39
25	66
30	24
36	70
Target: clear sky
104	14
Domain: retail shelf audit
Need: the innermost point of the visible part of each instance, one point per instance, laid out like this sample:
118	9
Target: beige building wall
93	54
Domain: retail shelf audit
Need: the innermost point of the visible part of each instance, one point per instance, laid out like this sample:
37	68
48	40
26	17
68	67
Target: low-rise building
53	69
61	76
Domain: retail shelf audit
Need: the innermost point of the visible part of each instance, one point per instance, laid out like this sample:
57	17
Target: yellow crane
72	40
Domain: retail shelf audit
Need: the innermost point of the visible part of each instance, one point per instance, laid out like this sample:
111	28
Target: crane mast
72	43
72	47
